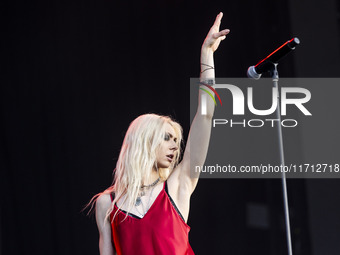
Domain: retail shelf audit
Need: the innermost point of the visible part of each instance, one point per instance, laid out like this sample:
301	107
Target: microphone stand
275	78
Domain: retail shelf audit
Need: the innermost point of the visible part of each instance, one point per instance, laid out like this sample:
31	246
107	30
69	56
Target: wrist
207	56
206	51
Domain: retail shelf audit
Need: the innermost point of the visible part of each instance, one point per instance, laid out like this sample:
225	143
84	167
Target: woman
146	209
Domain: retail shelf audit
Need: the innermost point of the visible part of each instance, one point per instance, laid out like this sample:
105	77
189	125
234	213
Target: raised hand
215	36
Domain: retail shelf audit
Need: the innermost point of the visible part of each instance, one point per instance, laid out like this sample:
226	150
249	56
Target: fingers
218	19
222	33
215	36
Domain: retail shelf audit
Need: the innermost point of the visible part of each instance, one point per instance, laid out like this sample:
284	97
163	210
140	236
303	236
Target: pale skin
181	184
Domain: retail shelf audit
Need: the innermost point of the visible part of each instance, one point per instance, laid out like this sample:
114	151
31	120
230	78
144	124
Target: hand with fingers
215	36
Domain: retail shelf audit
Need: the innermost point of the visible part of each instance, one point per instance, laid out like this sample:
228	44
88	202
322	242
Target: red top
161	231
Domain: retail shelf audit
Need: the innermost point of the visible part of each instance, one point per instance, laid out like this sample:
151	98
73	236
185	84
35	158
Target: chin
164	164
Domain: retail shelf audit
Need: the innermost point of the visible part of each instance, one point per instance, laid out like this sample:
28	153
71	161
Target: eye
166	137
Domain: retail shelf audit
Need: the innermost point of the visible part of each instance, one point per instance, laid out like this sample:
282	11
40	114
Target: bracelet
210	82
209	67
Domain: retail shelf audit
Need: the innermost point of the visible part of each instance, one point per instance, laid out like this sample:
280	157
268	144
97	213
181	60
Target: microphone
266	64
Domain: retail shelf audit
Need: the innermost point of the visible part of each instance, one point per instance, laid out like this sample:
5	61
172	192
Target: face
167	150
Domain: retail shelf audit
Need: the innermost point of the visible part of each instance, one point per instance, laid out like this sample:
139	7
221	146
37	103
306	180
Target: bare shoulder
104	227
103	204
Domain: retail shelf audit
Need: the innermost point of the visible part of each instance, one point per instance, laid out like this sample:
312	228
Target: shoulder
103	203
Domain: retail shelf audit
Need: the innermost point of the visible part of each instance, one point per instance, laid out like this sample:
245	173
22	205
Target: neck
153	177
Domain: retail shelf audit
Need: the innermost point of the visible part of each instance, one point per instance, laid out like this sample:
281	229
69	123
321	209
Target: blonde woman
146	209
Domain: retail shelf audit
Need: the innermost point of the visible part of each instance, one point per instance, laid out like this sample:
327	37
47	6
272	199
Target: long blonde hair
138	157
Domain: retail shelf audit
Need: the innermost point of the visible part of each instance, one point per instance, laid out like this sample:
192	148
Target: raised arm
199	135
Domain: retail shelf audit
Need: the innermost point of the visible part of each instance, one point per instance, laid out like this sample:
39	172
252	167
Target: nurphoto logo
238	107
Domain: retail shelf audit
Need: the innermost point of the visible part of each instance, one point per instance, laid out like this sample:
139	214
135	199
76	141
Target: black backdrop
76	73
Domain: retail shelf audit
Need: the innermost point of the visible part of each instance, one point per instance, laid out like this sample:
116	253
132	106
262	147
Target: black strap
131	214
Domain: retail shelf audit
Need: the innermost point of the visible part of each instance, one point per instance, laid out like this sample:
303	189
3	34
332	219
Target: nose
174	146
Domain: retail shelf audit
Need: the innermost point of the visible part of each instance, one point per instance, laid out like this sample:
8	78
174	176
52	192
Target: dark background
76	73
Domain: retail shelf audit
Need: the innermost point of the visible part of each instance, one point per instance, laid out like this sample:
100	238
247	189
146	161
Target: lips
170	157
